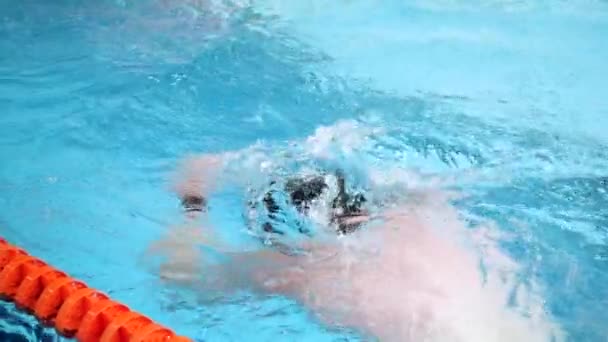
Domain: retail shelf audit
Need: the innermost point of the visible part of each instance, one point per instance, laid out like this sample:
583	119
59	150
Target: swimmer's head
303	191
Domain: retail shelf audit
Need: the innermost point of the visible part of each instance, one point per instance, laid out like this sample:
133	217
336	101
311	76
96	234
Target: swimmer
407	278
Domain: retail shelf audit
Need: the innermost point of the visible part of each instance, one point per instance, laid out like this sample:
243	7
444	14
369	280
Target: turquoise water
505	99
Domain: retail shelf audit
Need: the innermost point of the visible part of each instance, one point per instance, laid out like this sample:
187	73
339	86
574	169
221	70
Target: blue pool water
100	100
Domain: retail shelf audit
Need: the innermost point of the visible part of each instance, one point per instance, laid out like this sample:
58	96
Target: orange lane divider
73	308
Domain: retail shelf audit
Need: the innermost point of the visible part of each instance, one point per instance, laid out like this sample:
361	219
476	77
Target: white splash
344	137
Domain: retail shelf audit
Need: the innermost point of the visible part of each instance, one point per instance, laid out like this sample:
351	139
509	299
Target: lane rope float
69	305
